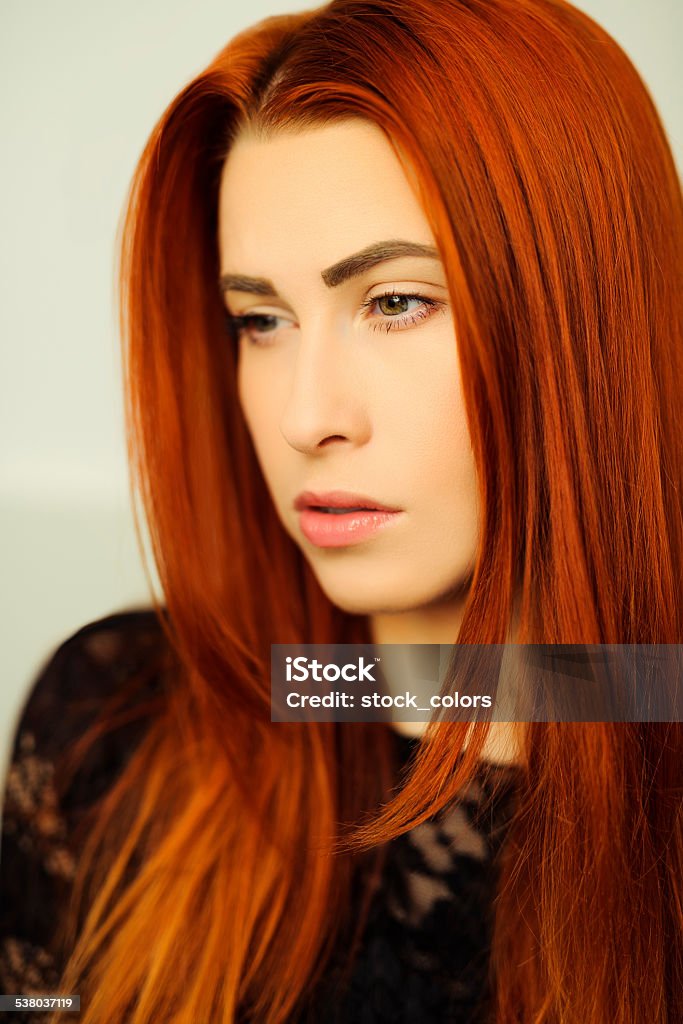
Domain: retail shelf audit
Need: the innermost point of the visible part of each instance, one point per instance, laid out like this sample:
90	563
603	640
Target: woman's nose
325	399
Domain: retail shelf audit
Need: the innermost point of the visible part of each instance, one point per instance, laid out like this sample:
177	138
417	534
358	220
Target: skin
342	390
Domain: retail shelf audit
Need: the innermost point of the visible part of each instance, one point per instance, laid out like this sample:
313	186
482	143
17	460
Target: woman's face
348	372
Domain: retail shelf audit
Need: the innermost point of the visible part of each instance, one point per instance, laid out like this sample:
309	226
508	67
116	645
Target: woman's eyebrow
373	254
350	266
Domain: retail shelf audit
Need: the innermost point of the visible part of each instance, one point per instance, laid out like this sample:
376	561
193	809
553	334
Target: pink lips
359	518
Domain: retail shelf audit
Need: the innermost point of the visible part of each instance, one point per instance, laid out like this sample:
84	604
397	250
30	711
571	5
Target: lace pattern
425	952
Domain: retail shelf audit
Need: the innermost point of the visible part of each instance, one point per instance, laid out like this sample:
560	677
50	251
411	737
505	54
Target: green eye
394	311
255	327
393	304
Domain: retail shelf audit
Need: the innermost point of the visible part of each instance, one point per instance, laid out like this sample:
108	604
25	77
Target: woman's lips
337	528
336	519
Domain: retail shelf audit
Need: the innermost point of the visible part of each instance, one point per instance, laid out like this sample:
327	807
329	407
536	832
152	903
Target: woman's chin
394	587
373	597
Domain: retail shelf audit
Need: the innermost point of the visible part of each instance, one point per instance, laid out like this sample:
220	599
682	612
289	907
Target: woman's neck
440	624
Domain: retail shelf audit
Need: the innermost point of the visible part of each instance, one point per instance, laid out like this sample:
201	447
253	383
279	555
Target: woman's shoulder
104	650
89	665
111	671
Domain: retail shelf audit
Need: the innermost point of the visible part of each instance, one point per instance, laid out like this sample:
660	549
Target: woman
426	255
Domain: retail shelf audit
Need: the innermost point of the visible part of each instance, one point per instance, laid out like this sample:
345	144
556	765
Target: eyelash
240	324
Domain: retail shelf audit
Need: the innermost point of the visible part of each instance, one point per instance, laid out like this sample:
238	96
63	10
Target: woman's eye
256	327
392	304
395	310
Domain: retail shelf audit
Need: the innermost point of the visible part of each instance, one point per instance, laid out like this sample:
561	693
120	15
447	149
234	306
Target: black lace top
424	954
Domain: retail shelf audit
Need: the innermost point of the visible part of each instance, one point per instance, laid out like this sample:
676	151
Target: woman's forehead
328	191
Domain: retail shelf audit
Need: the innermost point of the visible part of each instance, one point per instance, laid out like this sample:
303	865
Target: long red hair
545	173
